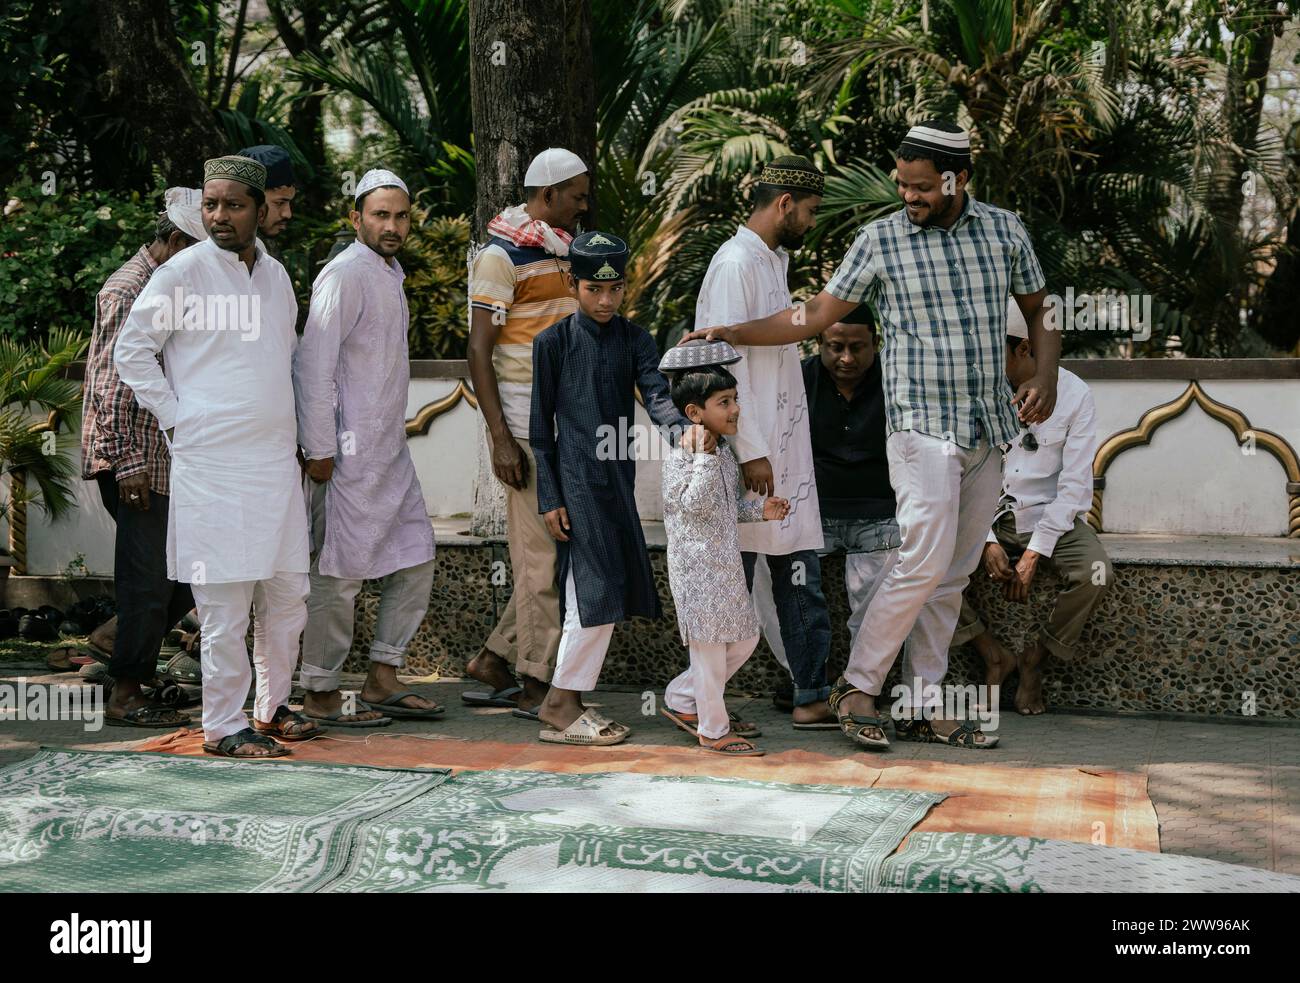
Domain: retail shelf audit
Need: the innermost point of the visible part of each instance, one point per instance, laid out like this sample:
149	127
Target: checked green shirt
941	299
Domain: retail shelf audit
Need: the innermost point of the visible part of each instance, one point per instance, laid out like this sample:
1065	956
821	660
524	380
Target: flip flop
523	714
497	698
585	732
228	745
68	658
336	720
733	745
832	724
391	707
149	717
680	720
690	721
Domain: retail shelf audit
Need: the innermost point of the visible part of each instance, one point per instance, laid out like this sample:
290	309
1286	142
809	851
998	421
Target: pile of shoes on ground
46	623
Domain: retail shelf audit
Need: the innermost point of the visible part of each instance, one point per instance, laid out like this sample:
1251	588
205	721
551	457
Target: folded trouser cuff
387	655
542	671
802	697
1057	647
501	646
317	680
966	633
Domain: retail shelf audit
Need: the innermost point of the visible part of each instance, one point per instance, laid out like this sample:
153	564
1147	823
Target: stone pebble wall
1179	639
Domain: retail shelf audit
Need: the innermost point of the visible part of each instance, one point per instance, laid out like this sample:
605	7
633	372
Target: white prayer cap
182	207
931	138
1016	326
377	177
552	166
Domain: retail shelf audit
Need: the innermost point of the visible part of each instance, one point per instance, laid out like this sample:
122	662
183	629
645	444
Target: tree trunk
149	84
1216	309
531	87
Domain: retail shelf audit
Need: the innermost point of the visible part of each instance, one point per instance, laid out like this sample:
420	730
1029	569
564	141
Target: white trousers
946	499
582	649
765	607
699	690
279	606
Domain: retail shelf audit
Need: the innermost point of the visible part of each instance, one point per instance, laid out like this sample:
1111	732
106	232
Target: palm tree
32	380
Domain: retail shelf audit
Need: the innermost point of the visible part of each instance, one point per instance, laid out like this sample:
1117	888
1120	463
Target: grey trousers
327	639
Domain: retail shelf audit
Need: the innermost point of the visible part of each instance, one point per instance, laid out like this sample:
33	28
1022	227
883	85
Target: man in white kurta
351	374
222	315
747	280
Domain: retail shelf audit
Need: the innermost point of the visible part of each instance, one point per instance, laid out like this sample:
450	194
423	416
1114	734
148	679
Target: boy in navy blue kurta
584	371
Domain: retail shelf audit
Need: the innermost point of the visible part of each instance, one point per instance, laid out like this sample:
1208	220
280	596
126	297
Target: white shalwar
237	528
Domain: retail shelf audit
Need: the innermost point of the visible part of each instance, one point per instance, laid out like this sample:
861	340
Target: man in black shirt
846	406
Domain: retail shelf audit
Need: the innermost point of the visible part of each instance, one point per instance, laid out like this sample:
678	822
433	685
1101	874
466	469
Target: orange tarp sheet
1092	806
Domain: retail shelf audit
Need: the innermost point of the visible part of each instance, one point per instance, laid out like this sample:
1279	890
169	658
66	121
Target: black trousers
148	604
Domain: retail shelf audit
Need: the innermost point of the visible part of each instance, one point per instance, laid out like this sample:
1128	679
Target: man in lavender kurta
350	377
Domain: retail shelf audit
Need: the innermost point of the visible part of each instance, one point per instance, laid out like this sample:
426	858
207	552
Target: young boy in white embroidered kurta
704	498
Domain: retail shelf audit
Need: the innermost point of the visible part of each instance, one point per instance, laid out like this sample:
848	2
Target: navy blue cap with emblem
598	256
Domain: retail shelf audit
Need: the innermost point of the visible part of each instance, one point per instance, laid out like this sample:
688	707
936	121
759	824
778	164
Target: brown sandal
289	725
732	745
690	722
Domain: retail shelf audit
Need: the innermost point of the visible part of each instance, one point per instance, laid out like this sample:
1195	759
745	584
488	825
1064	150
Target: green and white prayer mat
87	821
983	863
537	831
127	821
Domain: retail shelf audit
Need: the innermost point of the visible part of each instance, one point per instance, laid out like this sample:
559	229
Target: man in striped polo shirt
937	273
518	288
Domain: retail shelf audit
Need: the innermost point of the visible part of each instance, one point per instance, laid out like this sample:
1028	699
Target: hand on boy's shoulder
698	439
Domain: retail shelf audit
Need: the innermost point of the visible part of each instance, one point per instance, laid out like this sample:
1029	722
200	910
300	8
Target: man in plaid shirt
123	450
938	273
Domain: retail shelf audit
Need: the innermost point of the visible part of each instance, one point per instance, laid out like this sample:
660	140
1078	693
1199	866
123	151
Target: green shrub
57	250
435	260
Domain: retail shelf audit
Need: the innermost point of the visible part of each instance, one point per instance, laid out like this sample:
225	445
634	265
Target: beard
787	238
384	247
934	216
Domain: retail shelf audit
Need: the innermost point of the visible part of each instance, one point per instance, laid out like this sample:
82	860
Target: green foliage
33	393
57	250
435	260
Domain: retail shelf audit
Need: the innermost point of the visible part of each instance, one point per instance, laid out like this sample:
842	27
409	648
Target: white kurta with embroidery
227	337
747	280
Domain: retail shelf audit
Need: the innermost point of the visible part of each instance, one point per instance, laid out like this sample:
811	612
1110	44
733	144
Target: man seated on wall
1046	494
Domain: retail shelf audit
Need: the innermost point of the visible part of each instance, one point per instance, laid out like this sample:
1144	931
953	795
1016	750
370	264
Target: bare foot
124	697
813	713
382	683
561	708
102	637
534	692
998	659
492	670
1029	694
326	704
863	705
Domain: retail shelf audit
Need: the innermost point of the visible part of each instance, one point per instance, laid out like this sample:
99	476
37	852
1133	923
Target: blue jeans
805	621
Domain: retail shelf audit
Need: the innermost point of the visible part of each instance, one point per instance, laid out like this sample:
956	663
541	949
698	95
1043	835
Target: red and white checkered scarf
520	228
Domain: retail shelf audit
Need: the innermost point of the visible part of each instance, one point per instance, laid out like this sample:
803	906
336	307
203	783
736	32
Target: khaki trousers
1079	559
528	634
